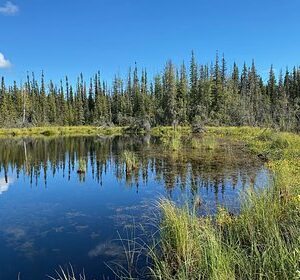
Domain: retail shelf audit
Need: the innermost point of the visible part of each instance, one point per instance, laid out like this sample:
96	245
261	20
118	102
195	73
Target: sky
72	36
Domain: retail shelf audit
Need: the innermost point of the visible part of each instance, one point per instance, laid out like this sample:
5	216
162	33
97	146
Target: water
51	215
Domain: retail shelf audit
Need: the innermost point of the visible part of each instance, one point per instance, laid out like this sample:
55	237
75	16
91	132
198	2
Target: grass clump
262	242
131	161
171	139
195	143
67	274
190	248
81	166
209	142
206	142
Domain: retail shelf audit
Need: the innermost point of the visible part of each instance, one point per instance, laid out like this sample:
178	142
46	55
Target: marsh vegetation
261	242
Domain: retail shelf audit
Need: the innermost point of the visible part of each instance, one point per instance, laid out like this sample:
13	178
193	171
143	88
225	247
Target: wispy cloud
9	9
4	63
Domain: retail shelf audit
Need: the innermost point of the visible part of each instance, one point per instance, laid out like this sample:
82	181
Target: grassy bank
60	131
263	242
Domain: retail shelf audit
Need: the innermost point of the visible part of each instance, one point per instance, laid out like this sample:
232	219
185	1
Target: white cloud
9	9
4	63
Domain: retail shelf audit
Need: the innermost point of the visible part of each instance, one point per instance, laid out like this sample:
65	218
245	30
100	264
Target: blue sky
72	36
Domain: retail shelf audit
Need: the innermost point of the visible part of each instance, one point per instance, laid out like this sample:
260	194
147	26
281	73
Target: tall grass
67	274
262	242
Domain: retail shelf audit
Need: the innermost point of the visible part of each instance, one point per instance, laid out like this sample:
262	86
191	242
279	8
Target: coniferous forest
215	93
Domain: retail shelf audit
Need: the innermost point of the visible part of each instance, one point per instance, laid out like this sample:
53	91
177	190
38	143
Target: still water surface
51	215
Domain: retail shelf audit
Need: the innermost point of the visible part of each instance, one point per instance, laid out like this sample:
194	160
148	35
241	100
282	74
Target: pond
52	215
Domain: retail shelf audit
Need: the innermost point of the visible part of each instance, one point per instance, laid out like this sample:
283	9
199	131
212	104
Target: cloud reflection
108	249
4	184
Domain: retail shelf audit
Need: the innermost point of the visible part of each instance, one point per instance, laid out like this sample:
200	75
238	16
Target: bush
198	125
139	127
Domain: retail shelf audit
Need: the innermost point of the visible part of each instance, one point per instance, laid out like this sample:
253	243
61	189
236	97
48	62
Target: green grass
60	131
206	142
195	143
170	138
262	242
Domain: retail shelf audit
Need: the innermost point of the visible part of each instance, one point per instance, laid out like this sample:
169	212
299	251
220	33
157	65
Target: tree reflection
200	168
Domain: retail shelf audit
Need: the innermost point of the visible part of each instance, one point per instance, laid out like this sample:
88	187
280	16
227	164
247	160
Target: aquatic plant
197	201
205	142
131	161
81	166
171	139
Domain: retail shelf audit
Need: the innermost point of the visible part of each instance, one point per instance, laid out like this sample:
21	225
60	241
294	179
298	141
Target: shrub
198	125
139	127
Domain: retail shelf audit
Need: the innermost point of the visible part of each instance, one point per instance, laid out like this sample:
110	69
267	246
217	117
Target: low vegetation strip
60	131
262	242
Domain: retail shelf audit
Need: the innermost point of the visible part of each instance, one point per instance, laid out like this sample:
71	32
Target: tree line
208	93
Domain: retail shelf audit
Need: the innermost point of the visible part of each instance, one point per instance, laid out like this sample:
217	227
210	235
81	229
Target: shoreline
47	131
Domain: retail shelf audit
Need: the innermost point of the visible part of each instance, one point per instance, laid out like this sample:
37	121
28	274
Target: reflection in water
201	168
65	199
